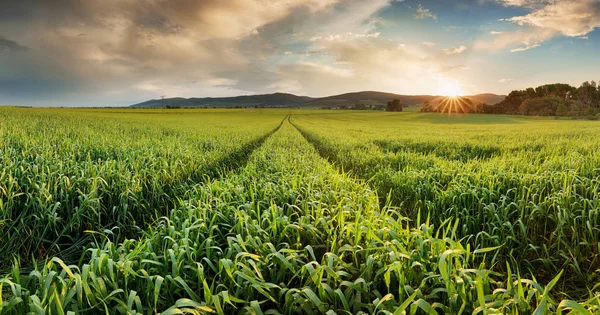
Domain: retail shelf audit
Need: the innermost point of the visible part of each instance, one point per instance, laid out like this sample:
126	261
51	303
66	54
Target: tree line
551	100
391	106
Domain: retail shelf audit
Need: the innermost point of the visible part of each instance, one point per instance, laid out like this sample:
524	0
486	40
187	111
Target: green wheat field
267	211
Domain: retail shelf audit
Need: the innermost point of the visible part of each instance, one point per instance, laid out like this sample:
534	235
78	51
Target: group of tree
394	106
551	100
391	106
361	106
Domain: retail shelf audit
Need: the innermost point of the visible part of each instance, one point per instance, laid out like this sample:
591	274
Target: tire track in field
220	168
324	153
332	159
217	169
239	158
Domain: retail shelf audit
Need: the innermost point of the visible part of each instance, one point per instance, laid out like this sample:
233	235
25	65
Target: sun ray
455	105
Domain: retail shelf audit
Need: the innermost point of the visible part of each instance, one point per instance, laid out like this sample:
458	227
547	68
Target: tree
590	112
360	107
562	109
550	99
588	95
480	108
426	107
541	106
510	105
394	106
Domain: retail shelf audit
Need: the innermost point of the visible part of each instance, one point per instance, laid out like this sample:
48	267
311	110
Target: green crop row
532	187
62	173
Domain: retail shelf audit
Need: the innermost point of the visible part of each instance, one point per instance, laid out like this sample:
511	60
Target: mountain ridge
291	100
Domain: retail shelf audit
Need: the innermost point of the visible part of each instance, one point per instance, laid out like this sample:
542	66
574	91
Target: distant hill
367	98
266	100
291	100
487	98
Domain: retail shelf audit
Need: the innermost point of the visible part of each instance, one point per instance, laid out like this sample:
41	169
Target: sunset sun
451	88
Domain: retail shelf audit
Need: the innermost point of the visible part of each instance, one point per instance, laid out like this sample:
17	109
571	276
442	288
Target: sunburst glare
451	88
455	104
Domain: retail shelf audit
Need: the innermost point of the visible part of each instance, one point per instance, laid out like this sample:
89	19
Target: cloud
523	39
547	20
359	63
345	36
451	68
313	39
496	33
288	86
350	16
115	52
423	13
9	45
505	80
523	3
220	82
569	17
527	47
89	47
455	50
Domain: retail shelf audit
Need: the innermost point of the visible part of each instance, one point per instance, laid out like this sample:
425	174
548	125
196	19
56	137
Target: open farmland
279	211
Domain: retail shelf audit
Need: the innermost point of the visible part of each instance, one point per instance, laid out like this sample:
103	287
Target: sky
120	52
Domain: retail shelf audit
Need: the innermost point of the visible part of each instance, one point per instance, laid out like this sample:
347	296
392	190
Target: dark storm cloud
10	45
117	47
120	48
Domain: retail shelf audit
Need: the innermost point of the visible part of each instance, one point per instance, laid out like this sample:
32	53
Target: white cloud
530	37
505	80
364	64
220	82
523	3
569	17
423	13
455	50
287	86
495	33
428	44
452	68
345	36
351	16
547	19
527	47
